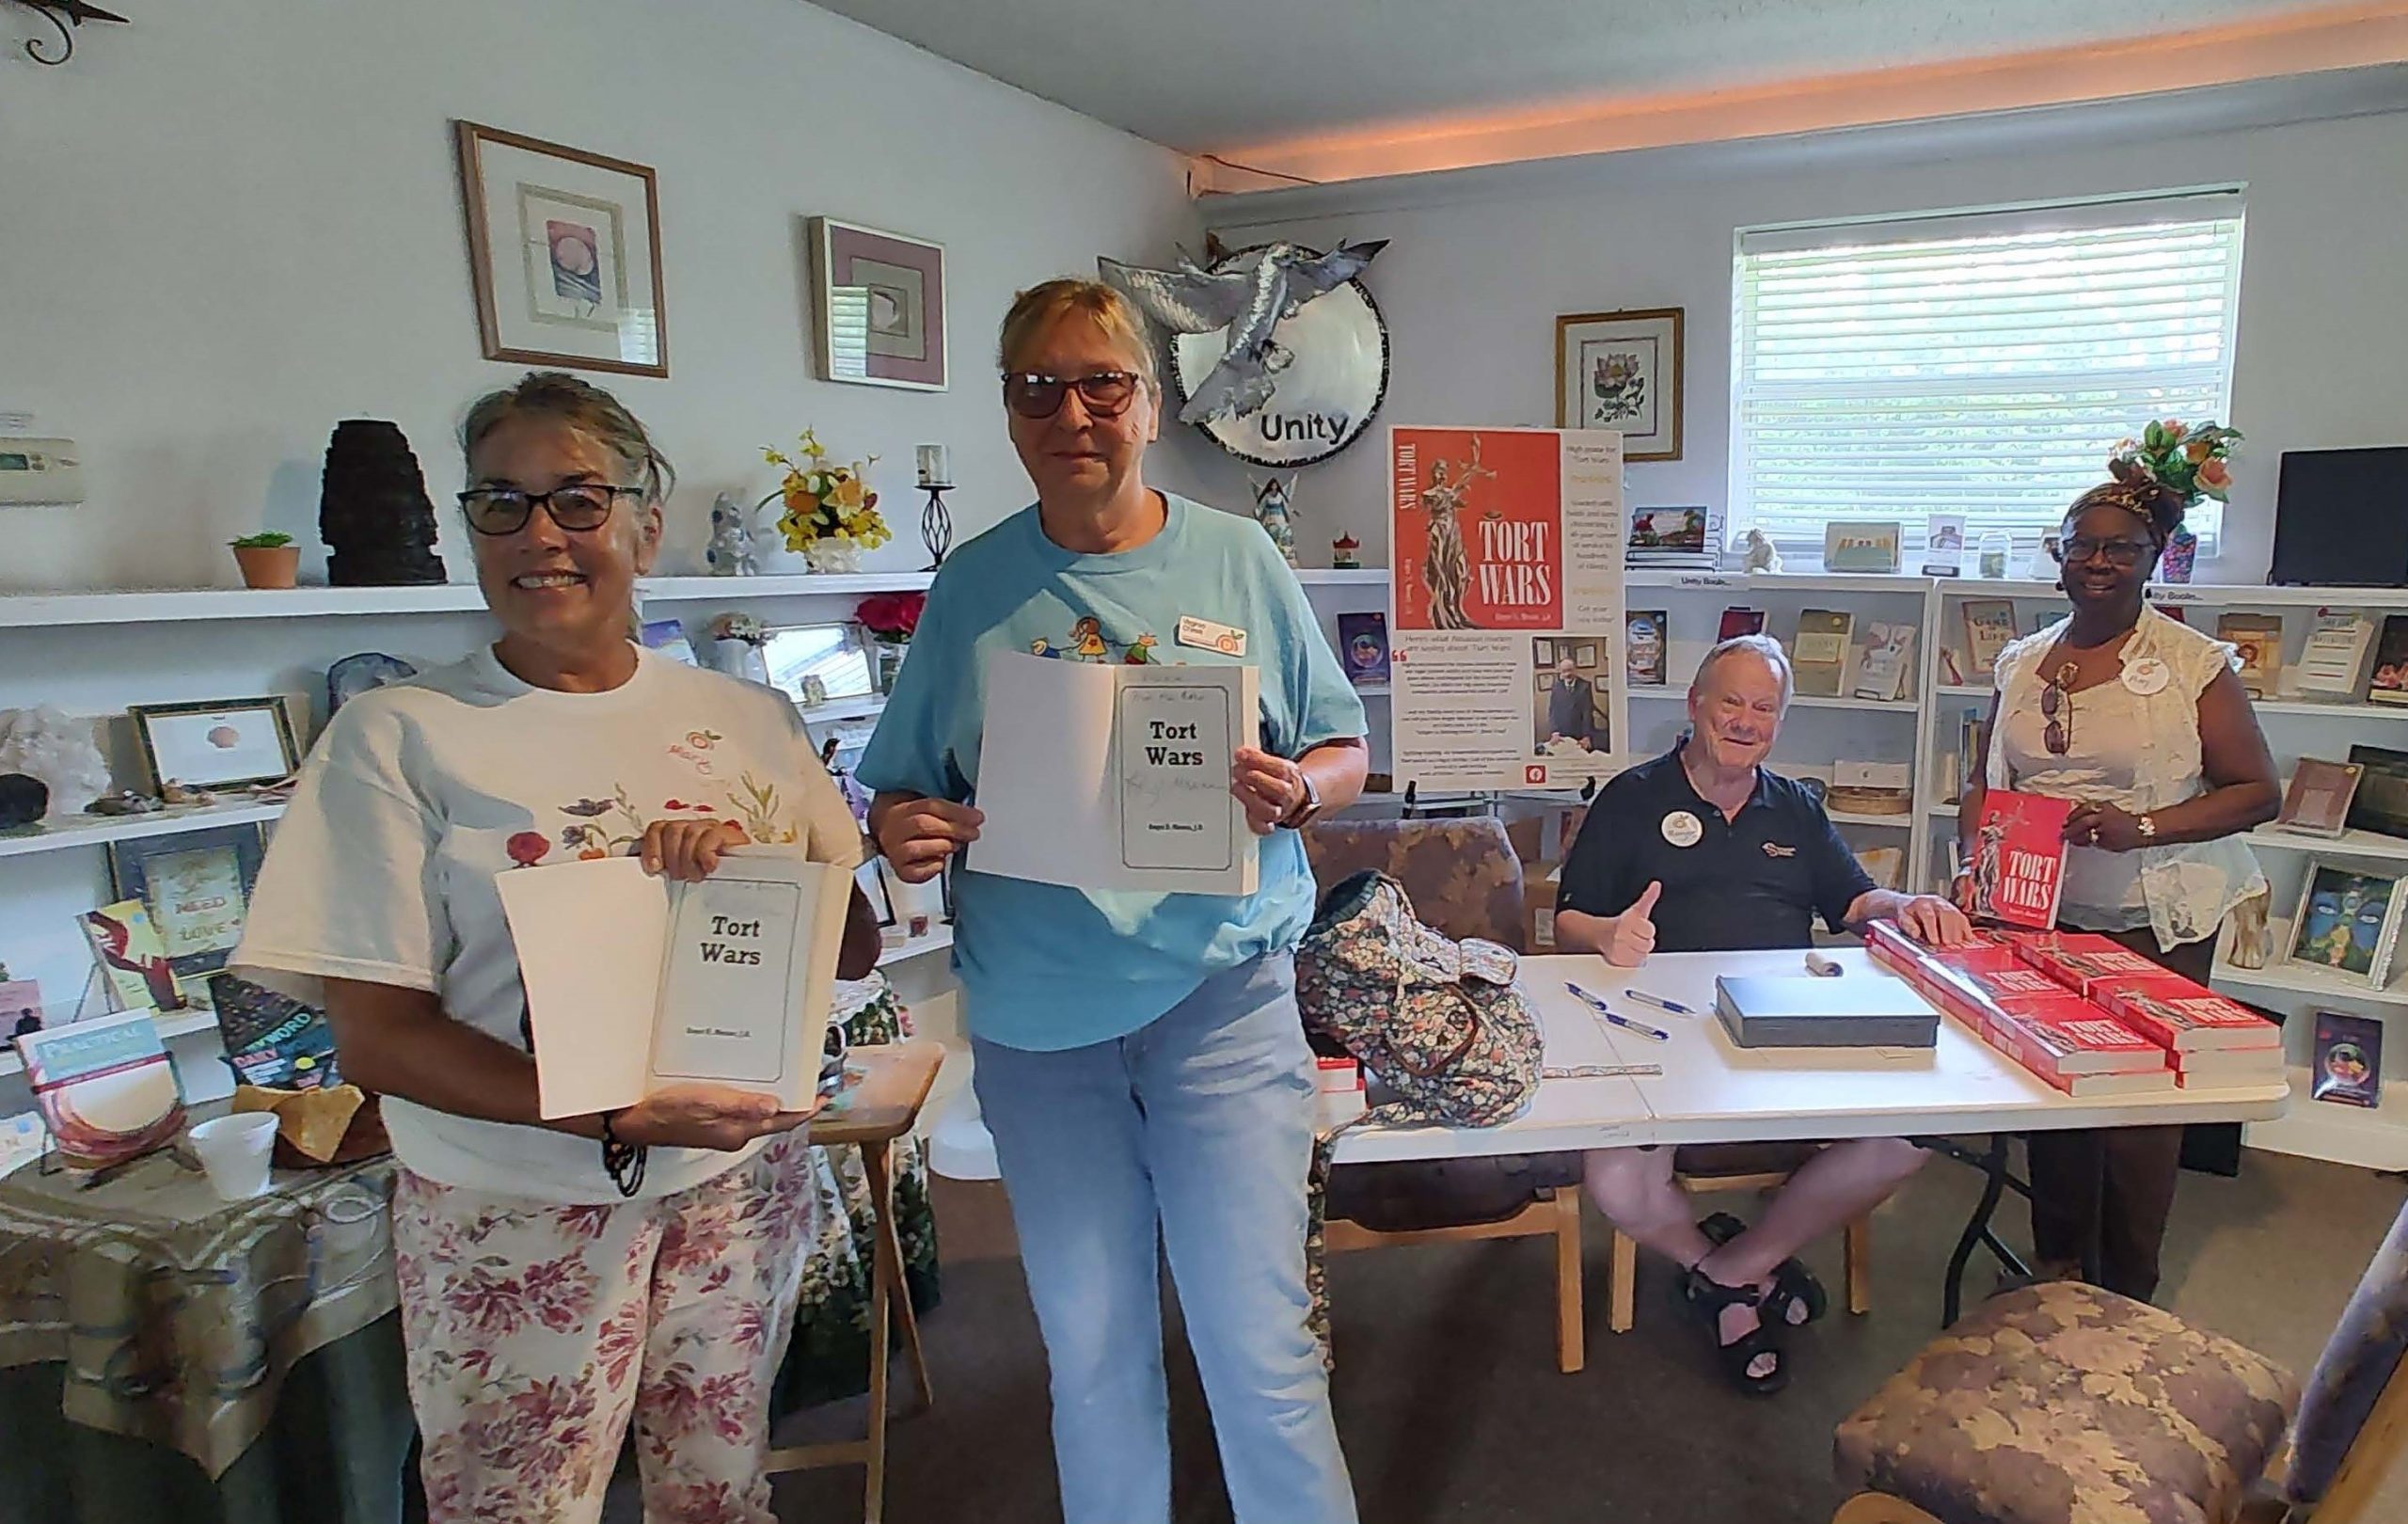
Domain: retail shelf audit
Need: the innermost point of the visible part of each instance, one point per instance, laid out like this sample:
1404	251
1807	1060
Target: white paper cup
235	1151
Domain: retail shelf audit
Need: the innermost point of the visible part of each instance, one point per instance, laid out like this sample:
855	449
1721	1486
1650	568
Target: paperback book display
2317	801
2257	638
2349	1060
2085	1014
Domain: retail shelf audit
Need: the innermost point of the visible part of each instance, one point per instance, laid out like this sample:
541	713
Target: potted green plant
268	559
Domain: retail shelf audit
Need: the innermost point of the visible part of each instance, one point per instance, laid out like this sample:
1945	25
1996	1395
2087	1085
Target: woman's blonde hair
582	406
1038	307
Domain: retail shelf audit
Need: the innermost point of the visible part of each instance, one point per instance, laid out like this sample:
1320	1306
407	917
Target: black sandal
1738	1357
1793	1284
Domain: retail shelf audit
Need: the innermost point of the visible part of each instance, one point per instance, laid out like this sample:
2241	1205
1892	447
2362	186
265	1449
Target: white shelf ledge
845	708
2303	979
2331	711
939	938
2348	844
1664	693
42	611
1343	576
1903	820
2371	1137
778	585
96	829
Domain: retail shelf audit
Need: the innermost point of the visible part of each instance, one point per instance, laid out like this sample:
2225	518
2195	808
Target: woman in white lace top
2142	721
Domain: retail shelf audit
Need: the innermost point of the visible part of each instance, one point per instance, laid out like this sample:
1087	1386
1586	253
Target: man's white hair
1762	646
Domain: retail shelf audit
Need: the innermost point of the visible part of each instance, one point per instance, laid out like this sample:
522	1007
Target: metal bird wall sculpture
60	13
1249	294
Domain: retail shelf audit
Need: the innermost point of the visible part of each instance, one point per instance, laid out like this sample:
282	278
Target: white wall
1471	285
227	225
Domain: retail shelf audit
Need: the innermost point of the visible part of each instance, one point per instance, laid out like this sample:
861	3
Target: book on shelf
1646	635
2019	858
1944	544
2349	1060
1972	740
1363	647
2348	920
727	981
137	972
1819	654
1871	787
2389	682
1738	621
1886	670
2257	640
1677	539
2381	803
1952	671
2315	802
2333	665
1989	628
1885	865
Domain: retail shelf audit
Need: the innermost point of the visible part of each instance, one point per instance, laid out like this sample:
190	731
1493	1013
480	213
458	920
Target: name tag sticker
1682	829
1206	636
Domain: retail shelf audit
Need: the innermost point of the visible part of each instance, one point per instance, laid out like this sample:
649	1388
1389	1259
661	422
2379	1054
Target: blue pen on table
1601	1008
1658	1002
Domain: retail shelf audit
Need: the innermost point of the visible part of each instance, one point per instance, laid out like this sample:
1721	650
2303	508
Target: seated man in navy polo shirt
1703	850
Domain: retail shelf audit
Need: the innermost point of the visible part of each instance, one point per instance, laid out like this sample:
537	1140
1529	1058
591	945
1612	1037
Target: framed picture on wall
877	307
1622	370
564	249
222	743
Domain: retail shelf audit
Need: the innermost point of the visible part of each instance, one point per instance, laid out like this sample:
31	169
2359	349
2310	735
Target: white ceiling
1214	75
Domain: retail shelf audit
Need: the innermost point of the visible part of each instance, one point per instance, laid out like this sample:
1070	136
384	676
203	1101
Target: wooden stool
871	1115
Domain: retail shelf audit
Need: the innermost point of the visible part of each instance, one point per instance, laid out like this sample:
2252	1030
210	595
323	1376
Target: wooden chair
1466	880
1712	1168
2064	1391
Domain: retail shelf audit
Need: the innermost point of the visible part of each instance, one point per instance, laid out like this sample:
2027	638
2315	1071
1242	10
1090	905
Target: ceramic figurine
1760	555
731	551
1343	553
1272	511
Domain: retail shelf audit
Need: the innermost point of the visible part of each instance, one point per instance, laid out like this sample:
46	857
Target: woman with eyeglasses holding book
1139	1057
558	1278
2142	721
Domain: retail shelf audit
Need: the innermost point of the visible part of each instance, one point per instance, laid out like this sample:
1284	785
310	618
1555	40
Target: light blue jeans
1196	1131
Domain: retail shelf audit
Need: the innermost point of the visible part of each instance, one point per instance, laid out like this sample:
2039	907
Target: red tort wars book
2019	858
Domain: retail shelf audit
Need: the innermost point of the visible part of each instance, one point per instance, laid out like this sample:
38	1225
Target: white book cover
1097	776
635	983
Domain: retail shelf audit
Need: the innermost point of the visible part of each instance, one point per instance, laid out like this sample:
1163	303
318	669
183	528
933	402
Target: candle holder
936	523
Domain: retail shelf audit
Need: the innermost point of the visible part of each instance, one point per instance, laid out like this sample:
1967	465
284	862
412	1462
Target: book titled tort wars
2019	858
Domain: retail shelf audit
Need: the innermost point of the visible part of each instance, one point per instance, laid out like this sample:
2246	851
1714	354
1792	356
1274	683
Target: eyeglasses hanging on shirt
2056	707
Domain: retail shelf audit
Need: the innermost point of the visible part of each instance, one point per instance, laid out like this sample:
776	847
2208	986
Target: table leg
1998	1181
890	1242
877	1161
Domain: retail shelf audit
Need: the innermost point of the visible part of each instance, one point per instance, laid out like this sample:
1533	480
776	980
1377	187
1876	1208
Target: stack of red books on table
2084	1014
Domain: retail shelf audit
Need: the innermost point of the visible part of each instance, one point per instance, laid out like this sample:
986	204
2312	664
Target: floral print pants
534	1332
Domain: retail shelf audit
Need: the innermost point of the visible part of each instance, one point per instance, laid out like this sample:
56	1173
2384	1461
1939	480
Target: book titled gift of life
2018	864
636	983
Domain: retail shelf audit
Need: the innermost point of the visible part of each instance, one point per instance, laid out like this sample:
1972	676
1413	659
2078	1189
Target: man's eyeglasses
505	510
1105	394
2056	706
2124	553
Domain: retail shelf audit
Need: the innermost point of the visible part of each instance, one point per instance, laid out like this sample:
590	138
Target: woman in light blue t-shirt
1140	1061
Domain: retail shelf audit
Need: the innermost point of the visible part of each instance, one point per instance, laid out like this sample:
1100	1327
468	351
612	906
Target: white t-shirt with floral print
421	794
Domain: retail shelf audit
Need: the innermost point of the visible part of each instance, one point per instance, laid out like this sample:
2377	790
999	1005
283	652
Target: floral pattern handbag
1442	1023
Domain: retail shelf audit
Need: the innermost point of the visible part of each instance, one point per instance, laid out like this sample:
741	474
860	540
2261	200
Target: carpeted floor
1451	1410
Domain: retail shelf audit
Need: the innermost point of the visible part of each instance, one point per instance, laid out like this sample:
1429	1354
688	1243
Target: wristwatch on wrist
1307	807
2149	828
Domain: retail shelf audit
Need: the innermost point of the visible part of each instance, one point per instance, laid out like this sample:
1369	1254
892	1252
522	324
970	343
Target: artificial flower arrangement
826	502
893	617
2188	461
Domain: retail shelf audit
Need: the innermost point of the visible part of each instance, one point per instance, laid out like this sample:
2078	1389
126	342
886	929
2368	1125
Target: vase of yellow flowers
827	515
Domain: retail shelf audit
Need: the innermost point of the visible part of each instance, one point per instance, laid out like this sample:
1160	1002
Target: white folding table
1714	1092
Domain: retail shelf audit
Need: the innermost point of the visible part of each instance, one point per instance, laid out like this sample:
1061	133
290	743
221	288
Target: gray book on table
1804	1011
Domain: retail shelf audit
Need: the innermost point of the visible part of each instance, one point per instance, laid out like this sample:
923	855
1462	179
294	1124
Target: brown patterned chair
2066	1404
1465	879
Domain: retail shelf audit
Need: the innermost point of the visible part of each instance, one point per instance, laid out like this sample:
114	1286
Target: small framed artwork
1861	545
2348	921
817	663
877	306
197	887
1542	654
564	250
222	743
1622	370
1585	654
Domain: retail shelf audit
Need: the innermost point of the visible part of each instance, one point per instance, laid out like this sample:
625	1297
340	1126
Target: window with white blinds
1982	364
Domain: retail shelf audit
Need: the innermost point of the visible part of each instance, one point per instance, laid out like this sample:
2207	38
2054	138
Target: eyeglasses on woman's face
579	507
2124	553
1103	393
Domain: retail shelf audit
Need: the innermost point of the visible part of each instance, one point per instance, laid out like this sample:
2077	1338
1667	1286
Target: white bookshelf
76	831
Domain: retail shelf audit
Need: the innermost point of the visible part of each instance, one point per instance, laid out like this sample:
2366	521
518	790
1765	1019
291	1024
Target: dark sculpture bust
372	510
